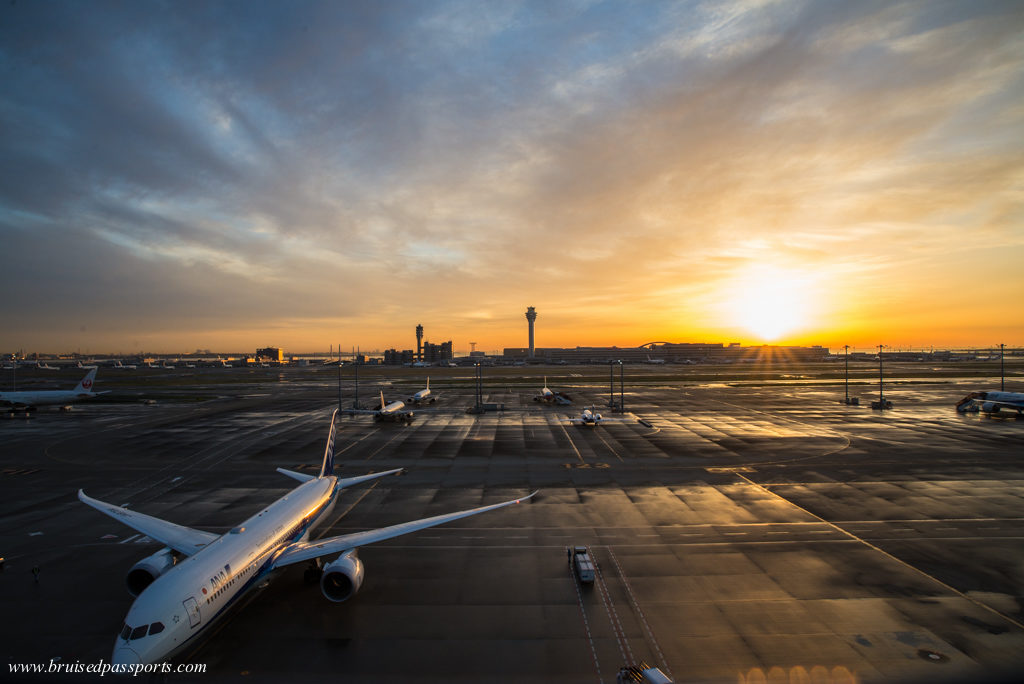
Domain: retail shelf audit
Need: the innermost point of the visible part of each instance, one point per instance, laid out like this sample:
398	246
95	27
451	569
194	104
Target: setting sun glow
771	302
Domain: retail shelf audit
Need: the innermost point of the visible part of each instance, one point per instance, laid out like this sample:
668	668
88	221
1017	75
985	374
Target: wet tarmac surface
757	531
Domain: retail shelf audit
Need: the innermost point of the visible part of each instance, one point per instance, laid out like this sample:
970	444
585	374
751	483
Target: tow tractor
582	563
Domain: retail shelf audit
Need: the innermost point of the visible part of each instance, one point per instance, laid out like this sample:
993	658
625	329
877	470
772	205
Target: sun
771	302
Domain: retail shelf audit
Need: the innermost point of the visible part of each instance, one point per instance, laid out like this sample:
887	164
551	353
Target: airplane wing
182	539
304	551
359	412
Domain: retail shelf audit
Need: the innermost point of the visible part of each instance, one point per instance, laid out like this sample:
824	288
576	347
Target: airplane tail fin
85	386
428	382
382	404
328	467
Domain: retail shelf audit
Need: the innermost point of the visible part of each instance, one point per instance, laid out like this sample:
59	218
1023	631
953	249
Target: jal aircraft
992	402
423	396
32	398
392	411
185	588
546	396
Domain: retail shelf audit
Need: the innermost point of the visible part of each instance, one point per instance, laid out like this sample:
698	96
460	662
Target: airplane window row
129	633
229	583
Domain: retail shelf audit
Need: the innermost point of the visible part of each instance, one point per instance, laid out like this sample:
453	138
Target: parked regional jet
392	411
591	417
658	362
32	398
86	367
546	396
992	402
423	396
190	584
46	366
120	366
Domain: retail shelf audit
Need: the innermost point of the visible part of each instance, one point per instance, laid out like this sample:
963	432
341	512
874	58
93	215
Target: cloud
239	167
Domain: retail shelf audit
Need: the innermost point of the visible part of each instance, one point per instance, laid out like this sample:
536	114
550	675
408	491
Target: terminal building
667	352
270	354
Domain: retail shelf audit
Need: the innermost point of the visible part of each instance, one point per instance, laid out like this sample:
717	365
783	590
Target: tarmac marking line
586	623
640	613
886	554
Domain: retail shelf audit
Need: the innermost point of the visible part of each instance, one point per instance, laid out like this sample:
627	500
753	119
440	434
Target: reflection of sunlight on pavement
798	675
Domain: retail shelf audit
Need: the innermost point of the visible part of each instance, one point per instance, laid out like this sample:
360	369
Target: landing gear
313	571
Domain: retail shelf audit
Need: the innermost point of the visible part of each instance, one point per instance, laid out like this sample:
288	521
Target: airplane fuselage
42	397
200	589
992	402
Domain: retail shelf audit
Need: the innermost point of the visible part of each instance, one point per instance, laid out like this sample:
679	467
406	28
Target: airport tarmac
755	532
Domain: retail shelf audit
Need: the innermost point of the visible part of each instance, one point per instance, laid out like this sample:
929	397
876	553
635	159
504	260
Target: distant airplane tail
85	386
382	404
328	466
428	382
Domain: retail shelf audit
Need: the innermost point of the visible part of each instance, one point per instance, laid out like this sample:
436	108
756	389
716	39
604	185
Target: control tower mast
419	342
531	316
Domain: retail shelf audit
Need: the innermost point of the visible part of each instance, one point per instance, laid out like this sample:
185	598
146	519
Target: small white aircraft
45	366
189	585
86	367
423	396
992	402
590	416
120	366
659	362
392	411
32	398
190	365
224	364
546	396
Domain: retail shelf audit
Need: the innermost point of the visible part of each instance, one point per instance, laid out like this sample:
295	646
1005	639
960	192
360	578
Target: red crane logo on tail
86	384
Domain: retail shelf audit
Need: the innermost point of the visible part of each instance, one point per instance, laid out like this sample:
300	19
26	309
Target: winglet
328	467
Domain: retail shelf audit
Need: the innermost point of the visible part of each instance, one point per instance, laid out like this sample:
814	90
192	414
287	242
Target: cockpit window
156	628
126	631
139	632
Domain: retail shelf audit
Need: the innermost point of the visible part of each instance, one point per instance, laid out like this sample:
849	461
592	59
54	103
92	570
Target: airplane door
192	608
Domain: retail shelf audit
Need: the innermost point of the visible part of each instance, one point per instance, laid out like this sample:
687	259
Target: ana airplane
659	362
546	396
591	417
120	366
193	582
423	396
32	398
392	411
992	402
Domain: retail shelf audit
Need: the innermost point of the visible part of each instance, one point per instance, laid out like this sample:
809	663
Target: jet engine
990	407
342	577
148	569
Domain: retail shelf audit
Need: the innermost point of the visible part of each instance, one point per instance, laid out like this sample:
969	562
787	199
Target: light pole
847	348
611	384
622	391
1002	369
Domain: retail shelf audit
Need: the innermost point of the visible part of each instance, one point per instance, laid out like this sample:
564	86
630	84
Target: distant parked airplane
32	398
546	396
659	362
192	583
591	417
392	411
992	402
86	367
423	396
120	366
44	366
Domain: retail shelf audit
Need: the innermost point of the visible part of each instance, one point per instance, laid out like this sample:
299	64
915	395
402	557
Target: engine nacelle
342	578
990	407
148	569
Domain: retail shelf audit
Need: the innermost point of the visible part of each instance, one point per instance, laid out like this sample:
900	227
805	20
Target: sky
231	175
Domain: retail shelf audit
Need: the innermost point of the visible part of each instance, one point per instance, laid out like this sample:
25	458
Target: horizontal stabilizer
349	481
301	477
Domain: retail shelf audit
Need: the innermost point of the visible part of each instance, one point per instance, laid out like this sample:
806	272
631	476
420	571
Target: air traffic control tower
419	342
531	316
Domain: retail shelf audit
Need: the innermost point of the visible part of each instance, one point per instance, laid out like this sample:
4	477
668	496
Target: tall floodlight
1002	369
531	316
622	390
419	342
881	404
847	348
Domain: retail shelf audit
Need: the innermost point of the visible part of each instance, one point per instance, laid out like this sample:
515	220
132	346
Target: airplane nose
125	656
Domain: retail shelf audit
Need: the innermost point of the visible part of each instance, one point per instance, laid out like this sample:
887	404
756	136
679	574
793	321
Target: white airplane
546	396
188	586
33	398
423	396
392	411
591	417
660	362
992	402
169	366
224	364
44	366
120	366
190	365
86	367
152	365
